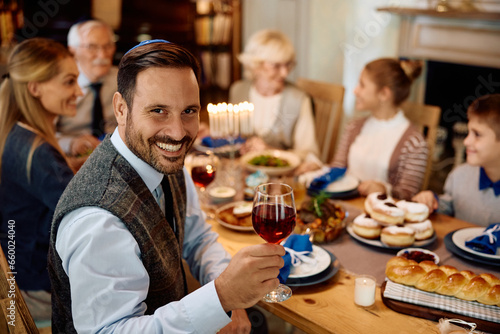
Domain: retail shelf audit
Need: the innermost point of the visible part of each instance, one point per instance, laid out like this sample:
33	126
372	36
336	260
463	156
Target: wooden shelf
452	14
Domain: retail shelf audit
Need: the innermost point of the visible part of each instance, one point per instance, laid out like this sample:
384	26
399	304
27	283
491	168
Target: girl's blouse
371	151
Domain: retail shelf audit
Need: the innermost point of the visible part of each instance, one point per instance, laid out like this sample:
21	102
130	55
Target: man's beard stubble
148	154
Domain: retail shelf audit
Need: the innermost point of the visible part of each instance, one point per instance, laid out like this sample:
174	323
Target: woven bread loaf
445	280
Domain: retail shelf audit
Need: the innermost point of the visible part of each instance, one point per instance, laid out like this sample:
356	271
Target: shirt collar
151	177
82	80
485	182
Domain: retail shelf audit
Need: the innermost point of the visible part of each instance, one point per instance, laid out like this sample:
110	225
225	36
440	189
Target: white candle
211	120
230	113
364	290
236	109
250	119
219	120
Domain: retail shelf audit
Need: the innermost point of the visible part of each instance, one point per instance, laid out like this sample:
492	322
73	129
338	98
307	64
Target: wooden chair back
14	309
327	99
426	118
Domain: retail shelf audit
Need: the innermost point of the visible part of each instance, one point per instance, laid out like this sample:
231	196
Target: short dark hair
487	109
159	54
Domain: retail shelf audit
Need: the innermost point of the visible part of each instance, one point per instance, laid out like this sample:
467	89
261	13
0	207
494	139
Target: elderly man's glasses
94	48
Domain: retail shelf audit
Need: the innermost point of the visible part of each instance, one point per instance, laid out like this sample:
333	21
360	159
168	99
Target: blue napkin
218	142
298	243
324	180
488	241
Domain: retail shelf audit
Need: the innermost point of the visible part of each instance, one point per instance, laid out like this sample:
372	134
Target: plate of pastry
397	239
461	236
393	224
236	216
271	162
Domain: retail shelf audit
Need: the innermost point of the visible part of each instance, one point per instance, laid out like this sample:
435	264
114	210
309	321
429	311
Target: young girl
385	151
40	85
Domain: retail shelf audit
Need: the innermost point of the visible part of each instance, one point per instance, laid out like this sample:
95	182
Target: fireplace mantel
471	38
452	14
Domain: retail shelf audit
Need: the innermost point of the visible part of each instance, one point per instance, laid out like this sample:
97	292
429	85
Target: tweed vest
281	134
108	181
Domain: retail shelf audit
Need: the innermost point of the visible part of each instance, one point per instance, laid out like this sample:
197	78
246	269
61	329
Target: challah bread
445	280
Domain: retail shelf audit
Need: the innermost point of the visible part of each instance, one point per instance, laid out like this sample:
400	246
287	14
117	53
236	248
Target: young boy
472	190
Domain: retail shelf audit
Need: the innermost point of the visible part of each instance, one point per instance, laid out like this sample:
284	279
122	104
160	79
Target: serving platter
461	236
433	314
379	244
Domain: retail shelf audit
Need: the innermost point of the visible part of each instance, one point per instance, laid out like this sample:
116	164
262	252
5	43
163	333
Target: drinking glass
203	168
273	218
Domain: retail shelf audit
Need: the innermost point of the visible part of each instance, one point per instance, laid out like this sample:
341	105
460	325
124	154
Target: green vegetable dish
269	161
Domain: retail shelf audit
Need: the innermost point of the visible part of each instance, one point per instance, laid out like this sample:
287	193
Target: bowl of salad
271	162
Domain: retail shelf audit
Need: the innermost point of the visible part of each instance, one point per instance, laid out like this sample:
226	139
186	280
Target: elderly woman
41	85
283	115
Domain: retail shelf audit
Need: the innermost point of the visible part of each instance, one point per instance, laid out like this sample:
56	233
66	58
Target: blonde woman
41	84
283	115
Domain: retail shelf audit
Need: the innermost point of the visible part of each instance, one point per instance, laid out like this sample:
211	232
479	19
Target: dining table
328	306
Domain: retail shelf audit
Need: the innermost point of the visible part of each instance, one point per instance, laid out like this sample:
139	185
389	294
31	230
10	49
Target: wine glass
203	168
273	218
203	165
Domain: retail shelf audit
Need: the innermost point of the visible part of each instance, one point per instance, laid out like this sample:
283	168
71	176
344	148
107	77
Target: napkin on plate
488	241
297	248
218	142
324	180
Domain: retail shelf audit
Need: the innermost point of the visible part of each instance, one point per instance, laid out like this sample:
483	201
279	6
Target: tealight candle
364	290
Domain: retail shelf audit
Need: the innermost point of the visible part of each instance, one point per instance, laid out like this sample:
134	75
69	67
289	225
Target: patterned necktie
160	198
97	118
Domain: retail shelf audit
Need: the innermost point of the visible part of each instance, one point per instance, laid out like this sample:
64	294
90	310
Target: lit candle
211	120
230	118
250	119
236	109
364	290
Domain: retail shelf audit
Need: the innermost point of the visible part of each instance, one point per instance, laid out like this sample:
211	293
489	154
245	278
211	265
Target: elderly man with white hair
93	46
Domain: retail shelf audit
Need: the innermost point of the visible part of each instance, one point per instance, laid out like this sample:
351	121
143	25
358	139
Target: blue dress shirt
109	282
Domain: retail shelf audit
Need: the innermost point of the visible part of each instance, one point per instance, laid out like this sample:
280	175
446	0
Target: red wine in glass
203	175
273	218
273	222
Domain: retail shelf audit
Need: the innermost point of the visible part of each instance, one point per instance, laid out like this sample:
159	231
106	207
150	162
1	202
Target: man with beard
93	46
131	214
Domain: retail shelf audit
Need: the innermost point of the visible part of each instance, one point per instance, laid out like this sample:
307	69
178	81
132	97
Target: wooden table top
328	307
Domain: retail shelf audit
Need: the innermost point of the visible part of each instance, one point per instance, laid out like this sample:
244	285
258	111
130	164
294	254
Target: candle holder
231	123
364	290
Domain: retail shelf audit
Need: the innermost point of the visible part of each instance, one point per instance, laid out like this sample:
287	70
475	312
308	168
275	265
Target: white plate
292	158
346	183
322	258
231	226
378	243
461	236
226	149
